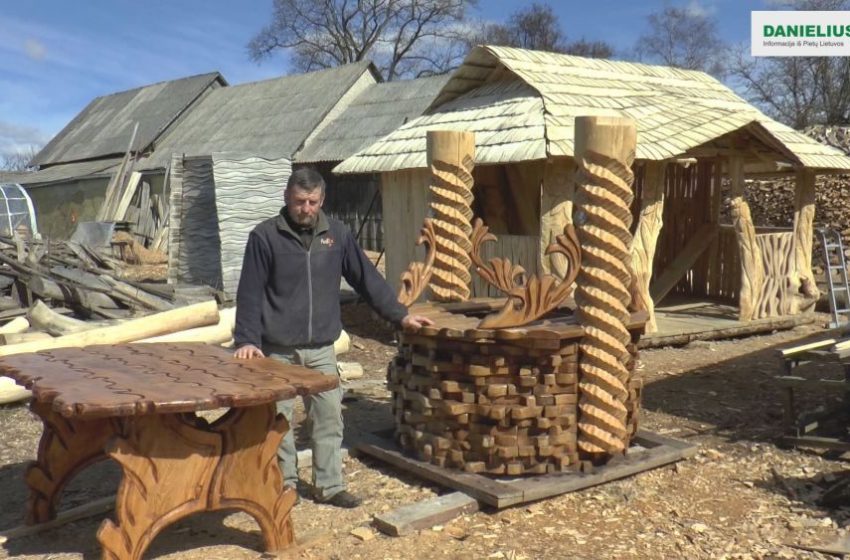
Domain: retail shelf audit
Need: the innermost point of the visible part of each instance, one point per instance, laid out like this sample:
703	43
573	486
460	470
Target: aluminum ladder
833	256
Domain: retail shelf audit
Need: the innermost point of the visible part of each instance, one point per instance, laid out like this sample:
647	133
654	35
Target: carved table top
136	379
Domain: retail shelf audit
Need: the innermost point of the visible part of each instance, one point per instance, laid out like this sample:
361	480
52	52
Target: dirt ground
741	496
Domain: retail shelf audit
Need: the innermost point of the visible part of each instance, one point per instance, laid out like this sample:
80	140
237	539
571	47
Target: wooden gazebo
694	137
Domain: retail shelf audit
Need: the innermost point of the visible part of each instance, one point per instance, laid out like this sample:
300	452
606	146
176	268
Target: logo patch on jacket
329	241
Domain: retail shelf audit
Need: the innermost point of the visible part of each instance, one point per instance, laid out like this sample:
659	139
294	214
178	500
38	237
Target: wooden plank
804	347
684	261
425	514
656	451
479	487
97	507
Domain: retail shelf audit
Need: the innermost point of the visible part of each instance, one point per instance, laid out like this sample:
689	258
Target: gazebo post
646	238
752	271
804	216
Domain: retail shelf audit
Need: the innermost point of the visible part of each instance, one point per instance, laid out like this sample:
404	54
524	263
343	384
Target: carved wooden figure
451	157
605	149
136	405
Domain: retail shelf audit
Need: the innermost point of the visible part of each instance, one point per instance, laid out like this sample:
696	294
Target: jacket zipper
310	294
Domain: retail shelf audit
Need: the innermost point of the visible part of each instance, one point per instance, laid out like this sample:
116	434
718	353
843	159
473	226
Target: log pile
94	283
496	401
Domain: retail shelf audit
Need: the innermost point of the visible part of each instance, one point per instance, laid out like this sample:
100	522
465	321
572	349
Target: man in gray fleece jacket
288	309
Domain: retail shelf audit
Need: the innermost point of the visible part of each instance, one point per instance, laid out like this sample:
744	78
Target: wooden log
213	334
183	318
16	325
148	300
451	156
45	319
18	338
605	150
646	238
72	295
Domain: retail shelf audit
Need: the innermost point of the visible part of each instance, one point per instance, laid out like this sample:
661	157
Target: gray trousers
324	412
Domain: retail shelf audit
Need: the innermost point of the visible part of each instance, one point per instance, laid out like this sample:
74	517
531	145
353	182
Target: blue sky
57	55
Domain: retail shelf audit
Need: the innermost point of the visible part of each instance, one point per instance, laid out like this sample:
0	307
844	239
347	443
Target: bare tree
799	91
683	38
18	160
403	37
537	27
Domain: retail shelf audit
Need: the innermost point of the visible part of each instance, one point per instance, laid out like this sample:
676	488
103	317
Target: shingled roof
105	126
377	111
675	111
267	119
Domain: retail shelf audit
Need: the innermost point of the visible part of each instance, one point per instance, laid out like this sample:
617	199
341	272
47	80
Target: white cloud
35	49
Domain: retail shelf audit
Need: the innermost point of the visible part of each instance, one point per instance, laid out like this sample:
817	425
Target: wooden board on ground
649	451
425	514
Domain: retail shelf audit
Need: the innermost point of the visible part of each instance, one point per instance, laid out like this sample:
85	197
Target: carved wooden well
537	382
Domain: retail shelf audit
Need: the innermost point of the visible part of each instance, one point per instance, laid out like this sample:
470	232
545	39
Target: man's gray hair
306	179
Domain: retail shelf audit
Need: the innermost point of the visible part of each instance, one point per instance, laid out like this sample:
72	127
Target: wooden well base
648	451
507	404
174	465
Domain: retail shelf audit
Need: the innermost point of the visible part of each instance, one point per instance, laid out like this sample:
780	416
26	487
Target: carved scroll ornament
528	299
418	274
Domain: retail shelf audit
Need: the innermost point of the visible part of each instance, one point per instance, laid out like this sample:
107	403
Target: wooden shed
695	136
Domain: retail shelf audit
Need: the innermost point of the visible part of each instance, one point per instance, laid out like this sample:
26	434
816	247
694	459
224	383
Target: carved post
752	269
556	212
451	157
604	151
646	237
804	217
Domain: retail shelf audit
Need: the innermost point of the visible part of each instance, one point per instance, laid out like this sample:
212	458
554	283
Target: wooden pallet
648	451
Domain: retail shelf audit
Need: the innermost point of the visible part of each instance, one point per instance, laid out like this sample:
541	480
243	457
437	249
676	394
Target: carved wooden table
136	404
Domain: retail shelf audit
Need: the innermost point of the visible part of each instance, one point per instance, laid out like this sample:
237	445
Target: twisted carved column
451	157
605	150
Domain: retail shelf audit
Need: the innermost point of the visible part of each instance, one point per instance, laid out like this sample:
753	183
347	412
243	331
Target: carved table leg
67	446
168	466
174	466
248	476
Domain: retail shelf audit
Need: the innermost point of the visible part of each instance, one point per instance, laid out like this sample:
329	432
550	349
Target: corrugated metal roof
675	110
63	172
506	117
268	119
105	126
374	113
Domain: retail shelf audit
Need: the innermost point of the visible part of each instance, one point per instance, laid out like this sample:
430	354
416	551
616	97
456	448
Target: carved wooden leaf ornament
417	275
530	299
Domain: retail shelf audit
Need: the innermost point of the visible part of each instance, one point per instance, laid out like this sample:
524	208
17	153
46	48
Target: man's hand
415	322
247	352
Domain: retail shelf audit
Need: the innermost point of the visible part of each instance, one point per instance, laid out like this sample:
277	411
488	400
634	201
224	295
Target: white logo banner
793	33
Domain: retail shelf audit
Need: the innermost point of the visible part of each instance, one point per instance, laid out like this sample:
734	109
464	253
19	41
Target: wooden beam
684	261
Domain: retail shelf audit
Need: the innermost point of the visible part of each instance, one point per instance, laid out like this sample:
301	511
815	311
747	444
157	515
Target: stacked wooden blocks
491	406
